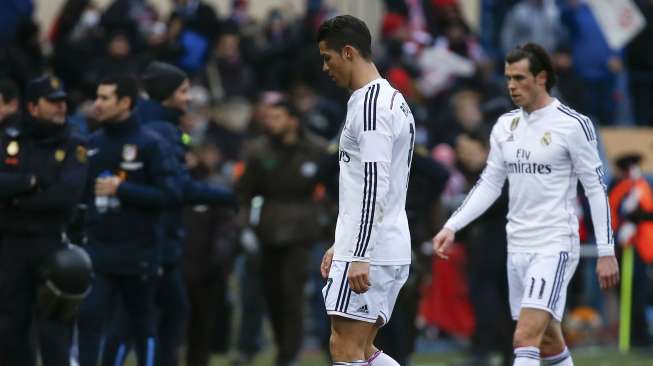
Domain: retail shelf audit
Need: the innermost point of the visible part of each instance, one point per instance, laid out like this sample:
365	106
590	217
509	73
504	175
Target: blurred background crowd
241	67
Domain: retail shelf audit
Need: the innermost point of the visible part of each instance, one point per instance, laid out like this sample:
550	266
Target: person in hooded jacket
168	88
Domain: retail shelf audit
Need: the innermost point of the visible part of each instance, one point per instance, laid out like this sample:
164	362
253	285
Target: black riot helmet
67	274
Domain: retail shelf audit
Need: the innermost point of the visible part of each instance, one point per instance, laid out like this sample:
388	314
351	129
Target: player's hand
359	277
325	266
107	186
442	241
607	269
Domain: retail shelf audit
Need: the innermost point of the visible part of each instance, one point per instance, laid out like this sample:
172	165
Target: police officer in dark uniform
169	90
42	172
130	181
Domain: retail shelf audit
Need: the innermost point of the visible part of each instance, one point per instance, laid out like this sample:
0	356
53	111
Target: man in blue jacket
42	172
168	88
131	180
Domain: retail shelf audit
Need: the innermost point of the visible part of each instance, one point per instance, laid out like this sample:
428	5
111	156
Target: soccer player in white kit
543	149
370	258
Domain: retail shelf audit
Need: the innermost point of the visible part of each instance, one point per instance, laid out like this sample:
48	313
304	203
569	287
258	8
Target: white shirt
376	147
543	154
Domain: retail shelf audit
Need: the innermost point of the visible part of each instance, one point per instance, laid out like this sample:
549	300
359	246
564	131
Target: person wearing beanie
161	81
168	88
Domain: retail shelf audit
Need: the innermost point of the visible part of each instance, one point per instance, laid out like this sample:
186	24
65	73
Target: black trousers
210	319
136	294
169	316
283	277
172	308
253	308
20	260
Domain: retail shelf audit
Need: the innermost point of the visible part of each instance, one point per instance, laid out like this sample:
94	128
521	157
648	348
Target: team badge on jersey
13	148
129	152
59	155
514	123
546	139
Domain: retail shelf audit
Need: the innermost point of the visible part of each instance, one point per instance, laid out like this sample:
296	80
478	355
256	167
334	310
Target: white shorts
377	303
540	281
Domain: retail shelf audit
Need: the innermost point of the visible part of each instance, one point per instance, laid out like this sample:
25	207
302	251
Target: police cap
46	86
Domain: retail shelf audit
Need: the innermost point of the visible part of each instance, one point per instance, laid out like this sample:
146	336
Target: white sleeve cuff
605	250
360	259
451	226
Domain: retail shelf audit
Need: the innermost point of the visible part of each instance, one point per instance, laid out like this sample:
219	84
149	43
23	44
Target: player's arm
376	142
376	139
587	164
486	190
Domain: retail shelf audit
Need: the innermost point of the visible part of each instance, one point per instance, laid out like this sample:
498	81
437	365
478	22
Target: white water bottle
102	201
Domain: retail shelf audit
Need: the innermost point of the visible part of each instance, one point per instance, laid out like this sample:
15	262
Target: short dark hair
8	90
345	30
538	60
126	86
288	106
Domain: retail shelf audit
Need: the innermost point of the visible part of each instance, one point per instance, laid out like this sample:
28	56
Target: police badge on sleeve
12	153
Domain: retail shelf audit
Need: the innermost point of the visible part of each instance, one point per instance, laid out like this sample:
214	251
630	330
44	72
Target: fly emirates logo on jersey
524	165
344	156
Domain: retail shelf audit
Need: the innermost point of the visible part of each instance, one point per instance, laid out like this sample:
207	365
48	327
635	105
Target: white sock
381	359
527	356
562	359
351	363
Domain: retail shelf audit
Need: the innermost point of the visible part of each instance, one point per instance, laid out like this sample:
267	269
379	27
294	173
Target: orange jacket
643	239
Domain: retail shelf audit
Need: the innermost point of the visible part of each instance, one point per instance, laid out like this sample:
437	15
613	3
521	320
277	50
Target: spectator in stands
200	24
639	60
532	21
76	35
118	58
463	115
227	74
320	115
594	62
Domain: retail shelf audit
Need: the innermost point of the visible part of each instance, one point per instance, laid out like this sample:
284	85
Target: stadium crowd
262	120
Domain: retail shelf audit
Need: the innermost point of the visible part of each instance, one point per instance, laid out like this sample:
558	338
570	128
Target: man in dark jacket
168	88
130	181
282	169
42	172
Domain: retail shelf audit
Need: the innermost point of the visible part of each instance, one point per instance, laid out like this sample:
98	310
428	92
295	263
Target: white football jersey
376	148
543	154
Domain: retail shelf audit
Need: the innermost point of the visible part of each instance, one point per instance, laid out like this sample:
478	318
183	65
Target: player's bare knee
344	347
526	337
370	350
553	342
